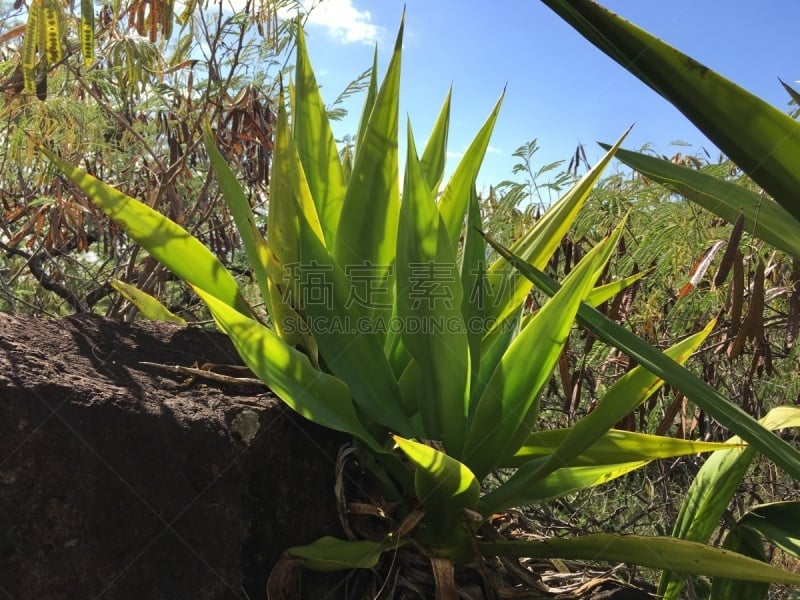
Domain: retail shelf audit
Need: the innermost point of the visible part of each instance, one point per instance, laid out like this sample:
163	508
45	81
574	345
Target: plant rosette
388	324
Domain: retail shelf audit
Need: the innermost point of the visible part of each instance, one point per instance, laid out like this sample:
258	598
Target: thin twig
194	372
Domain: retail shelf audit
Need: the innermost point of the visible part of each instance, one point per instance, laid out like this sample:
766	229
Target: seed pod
730	252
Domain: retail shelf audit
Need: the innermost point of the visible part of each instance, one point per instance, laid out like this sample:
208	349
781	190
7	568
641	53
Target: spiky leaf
508	407
149	306
763	217
656	552
444	486
165	240
429	300
675	375
316	146
758	137
330	554
614	446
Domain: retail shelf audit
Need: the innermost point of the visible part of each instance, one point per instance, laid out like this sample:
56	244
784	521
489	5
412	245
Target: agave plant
387	324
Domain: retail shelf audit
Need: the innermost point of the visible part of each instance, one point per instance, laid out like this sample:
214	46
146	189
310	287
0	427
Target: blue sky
560	89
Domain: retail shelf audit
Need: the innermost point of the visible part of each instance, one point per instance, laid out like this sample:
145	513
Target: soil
120	480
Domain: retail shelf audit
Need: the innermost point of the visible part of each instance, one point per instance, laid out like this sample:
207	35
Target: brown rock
118	481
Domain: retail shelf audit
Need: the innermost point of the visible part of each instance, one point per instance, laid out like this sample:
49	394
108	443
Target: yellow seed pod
29	48
87	32
53	17
188	9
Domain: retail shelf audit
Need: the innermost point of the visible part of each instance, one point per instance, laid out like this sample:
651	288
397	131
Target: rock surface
119	480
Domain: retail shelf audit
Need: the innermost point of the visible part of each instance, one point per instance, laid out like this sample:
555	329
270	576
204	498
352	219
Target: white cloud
491	149
344	22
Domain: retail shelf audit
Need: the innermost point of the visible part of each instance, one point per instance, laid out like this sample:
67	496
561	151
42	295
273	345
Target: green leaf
758	137
748	543
409	388
655	552
628	392
712	489
330	554
763	217
396	353
289	195
509	406
445	487
778	522
350	346
602	293
507	289
254	243
369	103
435	154
166	241
795	96
492	348
456	194
145	303
730	415
429	299
315	395
367	234
517	491
615	446
316	146
473	285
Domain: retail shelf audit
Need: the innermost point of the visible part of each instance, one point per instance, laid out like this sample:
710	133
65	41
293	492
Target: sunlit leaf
778	522
758	137
674	374
628	392
507	288
352	349
603	293
165	240
655	552
149	306
615	446
289	196
763	217
473	285
456	194
316	146
516	491
317	396
444	486
367	232
435	154
330	554
429	299
254	243
712	489
369	102
509	406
